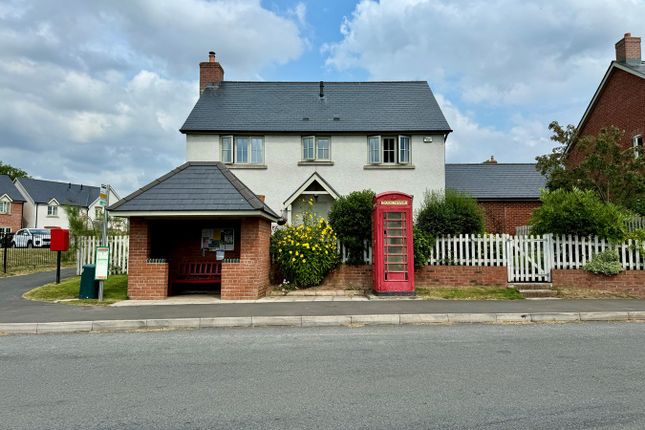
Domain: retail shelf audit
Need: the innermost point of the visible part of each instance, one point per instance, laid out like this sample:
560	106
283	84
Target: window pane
323	148
227	150
307	148
257	150
404	149
389	150
241	149
374	150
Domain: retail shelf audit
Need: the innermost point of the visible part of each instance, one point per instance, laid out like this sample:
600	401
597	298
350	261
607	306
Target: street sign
103	195
102	262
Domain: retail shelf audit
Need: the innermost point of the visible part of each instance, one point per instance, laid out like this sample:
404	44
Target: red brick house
507	192
11	206
620	98
197	228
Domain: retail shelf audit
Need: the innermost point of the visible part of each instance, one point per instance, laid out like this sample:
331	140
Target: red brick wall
13	219
504	216
621	104
458	276
210	72
145	280
348	276
249	279
630	281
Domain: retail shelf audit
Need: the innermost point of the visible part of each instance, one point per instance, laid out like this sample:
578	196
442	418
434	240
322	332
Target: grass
469	293
115	289
588	293
30	260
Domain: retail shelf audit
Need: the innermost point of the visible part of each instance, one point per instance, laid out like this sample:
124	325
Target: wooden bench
197	272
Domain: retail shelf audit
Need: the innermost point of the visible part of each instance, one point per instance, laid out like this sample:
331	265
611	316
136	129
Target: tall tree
615	174
12	172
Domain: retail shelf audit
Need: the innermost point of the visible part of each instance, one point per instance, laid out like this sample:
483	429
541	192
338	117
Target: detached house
45	201
11	205
620	98
318	140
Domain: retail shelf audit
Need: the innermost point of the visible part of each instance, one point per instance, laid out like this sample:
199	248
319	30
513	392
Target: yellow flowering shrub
305	253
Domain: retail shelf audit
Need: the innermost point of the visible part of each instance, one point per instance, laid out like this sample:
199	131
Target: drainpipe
36	220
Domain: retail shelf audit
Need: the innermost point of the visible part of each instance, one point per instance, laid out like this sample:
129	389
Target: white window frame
5	230
52	210
636	145
5	207
249	150
312	152
227	140
398	150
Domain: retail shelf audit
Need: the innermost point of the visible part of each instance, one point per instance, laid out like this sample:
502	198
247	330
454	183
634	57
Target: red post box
392	246
59	239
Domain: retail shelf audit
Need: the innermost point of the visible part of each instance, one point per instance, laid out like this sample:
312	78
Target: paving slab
326	320
604	316
225	322
64	327
423	319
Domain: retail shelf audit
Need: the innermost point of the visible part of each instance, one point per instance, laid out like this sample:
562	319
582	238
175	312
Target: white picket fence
86	252
573	252
344	253
470	250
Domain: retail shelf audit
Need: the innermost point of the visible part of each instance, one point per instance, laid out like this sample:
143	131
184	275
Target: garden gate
529	258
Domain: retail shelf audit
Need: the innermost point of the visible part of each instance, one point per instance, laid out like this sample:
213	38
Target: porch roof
194	189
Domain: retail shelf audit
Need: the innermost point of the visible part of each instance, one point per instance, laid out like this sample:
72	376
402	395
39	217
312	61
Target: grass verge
587	293
469	293
115	289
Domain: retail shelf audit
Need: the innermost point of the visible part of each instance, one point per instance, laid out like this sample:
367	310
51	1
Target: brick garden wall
630	281
145	280
13	219
249	279
504	216
349	277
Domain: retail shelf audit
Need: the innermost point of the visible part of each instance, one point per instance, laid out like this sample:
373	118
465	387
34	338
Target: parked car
31	238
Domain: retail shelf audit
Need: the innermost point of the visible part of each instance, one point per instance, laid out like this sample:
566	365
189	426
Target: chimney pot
628	49
322	89
211	56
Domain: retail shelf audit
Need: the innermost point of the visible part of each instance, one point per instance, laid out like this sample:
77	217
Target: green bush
306	253
450	213
423	244
604	263
351	218
579	213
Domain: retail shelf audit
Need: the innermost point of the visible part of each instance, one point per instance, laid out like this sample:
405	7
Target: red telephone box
393	251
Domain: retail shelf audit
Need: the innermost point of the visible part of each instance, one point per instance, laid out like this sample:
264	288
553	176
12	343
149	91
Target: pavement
537	376
18	315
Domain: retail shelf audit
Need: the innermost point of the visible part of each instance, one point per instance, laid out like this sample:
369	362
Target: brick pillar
145	280
249	279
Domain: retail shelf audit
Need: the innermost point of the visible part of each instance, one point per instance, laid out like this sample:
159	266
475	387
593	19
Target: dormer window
242	150
52	209
388	149
316	148
637	143
5	206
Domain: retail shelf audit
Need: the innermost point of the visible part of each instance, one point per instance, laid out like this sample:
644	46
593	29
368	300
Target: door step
535	291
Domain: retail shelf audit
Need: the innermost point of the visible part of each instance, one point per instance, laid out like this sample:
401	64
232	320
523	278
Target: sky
95	92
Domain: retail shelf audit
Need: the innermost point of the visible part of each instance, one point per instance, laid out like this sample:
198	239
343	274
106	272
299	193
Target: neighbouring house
507	192
11	206
45	202
298	141
620	98
197	228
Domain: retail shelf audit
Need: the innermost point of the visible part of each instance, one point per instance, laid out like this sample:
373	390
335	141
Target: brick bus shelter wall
631	282
145	280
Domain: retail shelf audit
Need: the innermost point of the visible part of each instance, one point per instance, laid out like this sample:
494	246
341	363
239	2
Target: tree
451	213
351	218
579	212
615	174
12	172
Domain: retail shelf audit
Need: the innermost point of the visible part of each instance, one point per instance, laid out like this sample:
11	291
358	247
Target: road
570	376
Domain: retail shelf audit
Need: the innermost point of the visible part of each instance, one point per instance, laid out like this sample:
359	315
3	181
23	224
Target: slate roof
281	106
65	193
501	181
640	68
194	186
7	187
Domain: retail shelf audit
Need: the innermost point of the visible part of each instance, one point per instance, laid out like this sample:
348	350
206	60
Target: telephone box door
393	247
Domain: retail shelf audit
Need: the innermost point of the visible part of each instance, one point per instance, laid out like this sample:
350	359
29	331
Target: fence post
4	253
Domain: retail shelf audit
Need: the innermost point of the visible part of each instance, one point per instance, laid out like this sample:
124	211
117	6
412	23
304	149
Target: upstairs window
316	148
388	149
52	210
4	207
637	143
242	150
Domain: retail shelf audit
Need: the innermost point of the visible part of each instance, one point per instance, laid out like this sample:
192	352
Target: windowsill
316	163
52	216
388	167
246	166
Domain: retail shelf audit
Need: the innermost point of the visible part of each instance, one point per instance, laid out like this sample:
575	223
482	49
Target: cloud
512	66
99	94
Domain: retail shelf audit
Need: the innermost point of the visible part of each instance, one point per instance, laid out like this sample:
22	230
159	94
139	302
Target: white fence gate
529	258
86	250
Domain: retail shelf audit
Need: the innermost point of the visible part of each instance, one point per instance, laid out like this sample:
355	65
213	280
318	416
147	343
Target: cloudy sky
95	91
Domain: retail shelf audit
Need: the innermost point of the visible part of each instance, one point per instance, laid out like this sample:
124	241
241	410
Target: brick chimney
491	161
628	49
210	73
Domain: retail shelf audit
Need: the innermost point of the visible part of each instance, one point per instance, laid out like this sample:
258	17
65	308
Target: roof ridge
57	182
328	82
